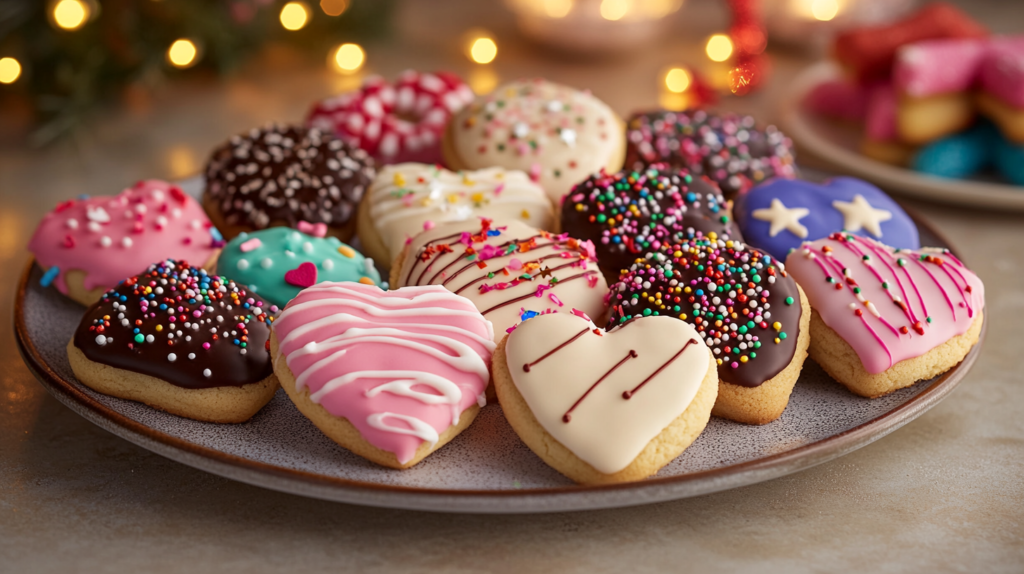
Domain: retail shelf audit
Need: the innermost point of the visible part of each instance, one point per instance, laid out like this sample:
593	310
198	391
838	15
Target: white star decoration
858	214
782	217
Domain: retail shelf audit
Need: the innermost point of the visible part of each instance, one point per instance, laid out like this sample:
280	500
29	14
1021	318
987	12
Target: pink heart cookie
390	375
886	318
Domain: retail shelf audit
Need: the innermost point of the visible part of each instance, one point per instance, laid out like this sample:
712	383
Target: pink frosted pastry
881	138
883	318
1001	79
89	245
934	67
839	99
390	375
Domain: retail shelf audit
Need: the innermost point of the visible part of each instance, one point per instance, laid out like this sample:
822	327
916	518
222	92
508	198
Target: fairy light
483	50
677	80
824	10
334	7
182	53
614	9
10	70
557	8
294	16
348	58
70	14
719	47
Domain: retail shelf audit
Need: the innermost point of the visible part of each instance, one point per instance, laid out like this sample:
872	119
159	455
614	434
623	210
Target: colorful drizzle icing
888	304
409	198
400	365
110	238
276	175
606	395
261	260
632	212
741	301
728	148
555	133
179	324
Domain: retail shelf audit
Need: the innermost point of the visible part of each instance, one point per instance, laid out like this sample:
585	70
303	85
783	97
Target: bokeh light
557	8
294	16
10	70
483	50
719	47
677	80
614	9
182	53
349	58
824	10
334	7
70	14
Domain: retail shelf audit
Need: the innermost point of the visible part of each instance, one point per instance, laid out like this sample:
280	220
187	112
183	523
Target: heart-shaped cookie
390	375
506	270
885	318
630	213
781	214
409	198
600	406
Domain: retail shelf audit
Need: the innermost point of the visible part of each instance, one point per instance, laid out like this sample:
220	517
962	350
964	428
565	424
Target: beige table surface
945	493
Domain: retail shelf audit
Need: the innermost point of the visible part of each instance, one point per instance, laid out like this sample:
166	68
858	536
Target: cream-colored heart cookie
408	198
604	407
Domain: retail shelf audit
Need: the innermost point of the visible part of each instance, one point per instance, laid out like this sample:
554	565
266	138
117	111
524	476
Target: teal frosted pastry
279	262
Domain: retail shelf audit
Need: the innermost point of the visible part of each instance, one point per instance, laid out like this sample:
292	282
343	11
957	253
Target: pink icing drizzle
880	349
151	221
399	365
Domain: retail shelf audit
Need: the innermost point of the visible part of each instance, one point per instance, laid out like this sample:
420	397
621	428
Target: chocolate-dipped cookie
727	148
279	176
179	340
746	307
630	213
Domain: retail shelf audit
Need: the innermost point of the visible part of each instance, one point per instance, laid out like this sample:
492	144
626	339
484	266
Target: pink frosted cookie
390	375
395	122
838	99
88	245
1001	79
934	79
881	138
883	318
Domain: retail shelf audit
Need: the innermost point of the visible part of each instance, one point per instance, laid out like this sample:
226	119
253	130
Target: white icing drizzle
419	429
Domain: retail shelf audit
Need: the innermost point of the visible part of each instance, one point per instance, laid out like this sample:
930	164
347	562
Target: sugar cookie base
75	280
369	238
341	431
665	447
1009	119
215	405
922	120
344	233
764	403
841	362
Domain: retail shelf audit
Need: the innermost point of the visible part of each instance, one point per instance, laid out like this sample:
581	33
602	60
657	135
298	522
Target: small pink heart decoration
314	229
302	276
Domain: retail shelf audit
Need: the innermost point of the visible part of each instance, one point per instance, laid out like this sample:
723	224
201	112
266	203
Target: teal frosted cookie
279	262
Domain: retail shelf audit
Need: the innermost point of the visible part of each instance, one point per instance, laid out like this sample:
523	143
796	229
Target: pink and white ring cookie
555	133
398	122
390	375
90	244
605	406
886	318
408	198
506	269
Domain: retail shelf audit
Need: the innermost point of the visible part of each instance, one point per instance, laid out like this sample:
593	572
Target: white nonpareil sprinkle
172	357
207	373
101	340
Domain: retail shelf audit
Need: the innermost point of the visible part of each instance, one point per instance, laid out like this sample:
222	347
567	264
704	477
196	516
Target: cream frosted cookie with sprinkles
885	318
506	270
557	134
390	375
90	244
408	198
605	406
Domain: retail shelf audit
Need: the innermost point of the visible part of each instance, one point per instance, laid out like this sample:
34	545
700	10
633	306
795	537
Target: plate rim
533	500
969	193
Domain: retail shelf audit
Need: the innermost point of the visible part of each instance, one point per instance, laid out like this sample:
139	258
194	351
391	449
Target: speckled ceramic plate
486	468
838	144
